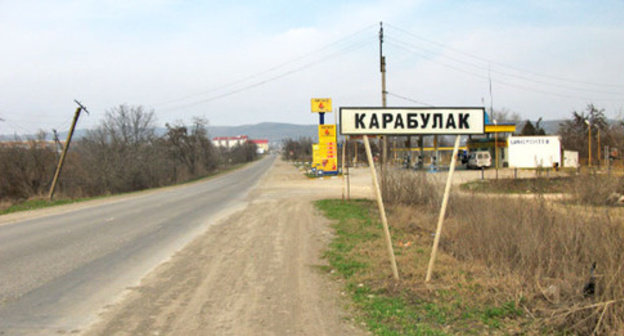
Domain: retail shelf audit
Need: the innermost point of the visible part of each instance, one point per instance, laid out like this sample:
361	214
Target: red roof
261	141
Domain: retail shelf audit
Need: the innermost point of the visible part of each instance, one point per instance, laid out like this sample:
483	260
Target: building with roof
229	141
263	145
233	141
496	135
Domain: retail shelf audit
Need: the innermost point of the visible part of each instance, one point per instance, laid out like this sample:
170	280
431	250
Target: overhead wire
517	76
17	123
64	125
490	61
409	99
315	52
305	66
498	81
16	126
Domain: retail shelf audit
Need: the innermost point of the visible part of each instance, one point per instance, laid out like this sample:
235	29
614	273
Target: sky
245	62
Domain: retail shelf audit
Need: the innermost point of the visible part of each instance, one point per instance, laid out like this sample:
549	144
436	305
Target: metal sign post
367	121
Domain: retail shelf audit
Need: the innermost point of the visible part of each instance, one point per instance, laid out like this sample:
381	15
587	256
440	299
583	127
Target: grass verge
455	305
33	204
505	255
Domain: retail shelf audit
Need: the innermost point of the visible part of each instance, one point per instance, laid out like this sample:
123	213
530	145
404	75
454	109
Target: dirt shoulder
256	273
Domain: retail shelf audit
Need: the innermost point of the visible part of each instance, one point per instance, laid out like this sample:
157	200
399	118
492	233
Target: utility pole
495	123
589	155
66	148
382	68
56	139
598	150
589	149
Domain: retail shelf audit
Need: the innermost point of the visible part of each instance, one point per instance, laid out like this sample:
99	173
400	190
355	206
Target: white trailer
534	151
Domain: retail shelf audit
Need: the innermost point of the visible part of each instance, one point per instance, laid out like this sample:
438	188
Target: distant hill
274	132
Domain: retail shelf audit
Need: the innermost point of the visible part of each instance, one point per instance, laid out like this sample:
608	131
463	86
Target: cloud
275	56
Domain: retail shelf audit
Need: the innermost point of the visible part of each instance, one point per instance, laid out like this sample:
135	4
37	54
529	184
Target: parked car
479	159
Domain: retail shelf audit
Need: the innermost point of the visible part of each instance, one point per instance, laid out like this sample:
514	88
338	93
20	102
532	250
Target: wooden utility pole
66	148
346	165
447	190
344	182
56	139
382	210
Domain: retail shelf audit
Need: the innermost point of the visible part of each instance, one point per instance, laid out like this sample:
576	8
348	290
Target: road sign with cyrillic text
411	120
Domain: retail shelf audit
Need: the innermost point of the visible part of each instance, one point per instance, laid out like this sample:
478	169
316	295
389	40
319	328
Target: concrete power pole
382	68
67	142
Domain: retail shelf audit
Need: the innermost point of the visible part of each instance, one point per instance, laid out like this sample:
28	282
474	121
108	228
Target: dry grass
532	252
595	189
410	188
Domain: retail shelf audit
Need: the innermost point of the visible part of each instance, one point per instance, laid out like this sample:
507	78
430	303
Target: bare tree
25	167
118	156
505	115
574	132
193	149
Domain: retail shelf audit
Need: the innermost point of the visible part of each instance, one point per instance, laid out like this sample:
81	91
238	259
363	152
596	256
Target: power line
525	78
482	59
276	77
408	99
485	78
16	126
315	52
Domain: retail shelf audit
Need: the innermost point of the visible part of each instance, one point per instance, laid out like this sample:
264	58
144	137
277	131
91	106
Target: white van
479	159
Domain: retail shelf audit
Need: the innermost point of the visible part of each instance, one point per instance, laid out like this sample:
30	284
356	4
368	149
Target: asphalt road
59	271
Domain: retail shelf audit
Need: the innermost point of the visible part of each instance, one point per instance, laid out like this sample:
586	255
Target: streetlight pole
599	149
496	147
589	148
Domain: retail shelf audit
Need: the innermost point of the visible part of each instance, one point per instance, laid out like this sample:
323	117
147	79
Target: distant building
495	137
233	141
263	145
229	142
32	144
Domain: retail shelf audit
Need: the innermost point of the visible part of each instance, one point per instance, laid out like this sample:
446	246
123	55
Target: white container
534	151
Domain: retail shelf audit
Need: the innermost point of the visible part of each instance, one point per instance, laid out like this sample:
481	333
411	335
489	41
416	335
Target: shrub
410	188
546	247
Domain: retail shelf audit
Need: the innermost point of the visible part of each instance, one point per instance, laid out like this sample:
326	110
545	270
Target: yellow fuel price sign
321	105
316	155
328	148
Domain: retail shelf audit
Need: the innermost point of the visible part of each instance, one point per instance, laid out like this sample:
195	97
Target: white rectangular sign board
534	151
411	120
570	159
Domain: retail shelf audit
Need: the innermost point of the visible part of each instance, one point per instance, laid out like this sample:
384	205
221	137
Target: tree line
122	154
574	134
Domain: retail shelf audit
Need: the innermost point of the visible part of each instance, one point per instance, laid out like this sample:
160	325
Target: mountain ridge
275	132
